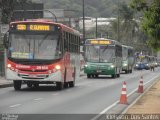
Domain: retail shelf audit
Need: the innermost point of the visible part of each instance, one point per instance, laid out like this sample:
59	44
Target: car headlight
146	64
136	65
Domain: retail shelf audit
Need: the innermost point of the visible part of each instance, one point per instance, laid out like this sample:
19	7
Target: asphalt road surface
89	96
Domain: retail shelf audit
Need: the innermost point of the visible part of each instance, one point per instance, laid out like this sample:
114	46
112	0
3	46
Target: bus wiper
28	42
43	39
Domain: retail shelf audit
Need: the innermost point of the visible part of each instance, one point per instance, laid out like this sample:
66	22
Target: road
89	96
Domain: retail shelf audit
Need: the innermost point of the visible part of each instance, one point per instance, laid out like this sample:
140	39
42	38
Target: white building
91	22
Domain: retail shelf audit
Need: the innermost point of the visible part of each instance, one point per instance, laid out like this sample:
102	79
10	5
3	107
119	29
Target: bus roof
46	21
126	46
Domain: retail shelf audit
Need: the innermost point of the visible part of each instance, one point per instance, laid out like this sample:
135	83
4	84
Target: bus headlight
112	66
58	67
125	64
9	65
86	65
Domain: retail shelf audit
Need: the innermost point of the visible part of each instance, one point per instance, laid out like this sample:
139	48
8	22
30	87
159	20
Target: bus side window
66	41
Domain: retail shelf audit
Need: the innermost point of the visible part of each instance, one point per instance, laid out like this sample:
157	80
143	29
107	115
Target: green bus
128	58
103	57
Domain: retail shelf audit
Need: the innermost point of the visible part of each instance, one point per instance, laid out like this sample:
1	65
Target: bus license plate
98	71
33	76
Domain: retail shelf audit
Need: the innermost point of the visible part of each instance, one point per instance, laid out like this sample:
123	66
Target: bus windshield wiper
43	39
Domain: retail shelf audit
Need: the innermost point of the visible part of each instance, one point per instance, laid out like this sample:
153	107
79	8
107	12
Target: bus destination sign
33	27
100	42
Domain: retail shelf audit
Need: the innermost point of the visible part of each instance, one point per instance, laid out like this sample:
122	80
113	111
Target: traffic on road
69	67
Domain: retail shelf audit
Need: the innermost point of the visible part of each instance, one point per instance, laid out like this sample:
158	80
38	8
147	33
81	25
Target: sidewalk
5	83
149	103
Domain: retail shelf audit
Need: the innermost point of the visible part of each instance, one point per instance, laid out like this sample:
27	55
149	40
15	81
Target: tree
7	7
129	27
151	20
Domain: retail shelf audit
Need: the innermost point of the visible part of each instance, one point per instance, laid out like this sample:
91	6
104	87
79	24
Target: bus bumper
54	77
100	71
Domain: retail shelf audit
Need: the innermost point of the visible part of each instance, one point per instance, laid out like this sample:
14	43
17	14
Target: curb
139	97
6	85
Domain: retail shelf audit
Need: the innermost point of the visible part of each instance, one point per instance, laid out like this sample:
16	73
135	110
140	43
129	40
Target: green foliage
93	8
150	23
7	8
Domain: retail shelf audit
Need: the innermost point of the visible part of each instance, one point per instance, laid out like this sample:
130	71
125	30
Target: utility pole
96	28
118	36
0	25
84	37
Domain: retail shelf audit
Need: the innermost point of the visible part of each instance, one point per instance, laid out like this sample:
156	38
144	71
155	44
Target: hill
93	8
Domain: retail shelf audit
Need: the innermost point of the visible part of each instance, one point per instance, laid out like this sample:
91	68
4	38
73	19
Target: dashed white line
55	94
16	105
105	110
38	99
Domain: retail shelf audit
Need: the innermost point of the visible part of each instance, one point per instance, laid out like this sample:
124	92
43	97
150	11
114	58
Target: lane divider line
16	105
37	99
55	94
138	97
105	110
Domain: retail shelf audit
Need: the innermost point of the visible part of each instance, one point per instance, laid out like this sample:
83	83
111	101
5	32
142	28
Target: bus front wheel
118	75
96	76
114	76
59	85
71	83
17	84
88	76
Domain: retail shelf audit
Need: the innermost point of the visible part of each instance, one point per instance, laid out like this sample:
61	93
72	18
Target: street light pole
96	28
84	37
0	26
118	39
52	14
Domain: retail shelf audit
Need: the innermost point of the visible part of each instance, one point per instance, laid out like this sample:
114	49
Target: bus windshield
34	46
101	54
143	60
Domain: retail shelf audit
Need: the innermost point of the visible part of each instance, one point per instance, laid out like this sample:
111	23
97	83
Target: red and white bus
42	52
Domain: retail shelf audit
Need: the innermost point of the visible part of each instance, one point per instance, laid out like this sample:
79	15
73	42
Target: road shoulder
5	83
148	102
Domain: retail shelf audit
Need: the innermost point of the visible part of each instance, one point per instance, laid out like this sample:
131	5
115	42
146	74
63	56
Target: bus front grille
33	71
26	76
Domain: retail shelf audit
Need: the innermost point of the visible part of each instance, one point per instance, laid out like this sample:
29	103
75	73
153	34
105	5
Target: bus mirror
60	53
6	40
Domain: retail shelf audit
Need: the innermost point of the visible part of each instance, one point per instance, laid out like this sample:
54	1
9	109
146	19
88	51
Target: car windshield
34	46
95	53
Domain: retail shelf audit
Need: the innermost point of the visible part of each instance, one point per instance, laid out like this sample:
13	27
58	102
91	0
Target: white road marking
55	94
38	99
16	105
105	110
